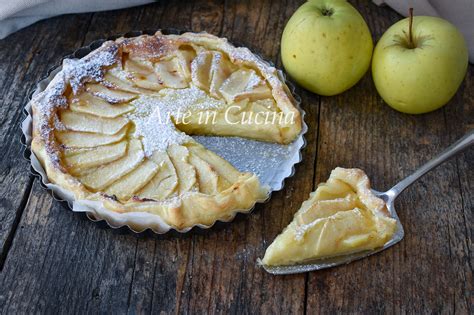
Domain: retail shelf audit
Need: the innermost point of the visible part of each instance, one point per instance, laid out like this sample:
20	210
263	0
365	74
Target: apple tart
341	217
115	126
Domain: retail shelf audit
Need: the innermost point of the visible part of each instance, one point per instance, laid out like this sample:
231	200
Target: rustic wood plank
459	120
109	23
26	57
428	270
61	262
13	67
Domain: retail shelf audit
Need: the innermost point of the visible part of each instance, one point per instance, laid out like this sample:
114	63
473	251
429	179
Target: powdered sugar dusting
75	72
123	75
239	151
254	81
216	62
109	98
52	97
153	116
197	63
89	68
58	125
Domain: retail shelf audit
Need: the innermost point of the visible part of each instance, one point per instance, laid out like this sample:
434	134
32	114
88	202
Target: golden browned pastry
115	125
341	217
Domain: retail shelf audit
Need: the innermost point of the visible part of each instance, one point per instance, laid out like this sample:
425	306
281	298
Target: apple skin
421	79
326	54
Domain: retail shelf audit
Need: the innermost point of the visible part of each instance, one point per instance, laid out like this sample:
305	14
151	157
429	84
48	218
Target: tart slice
341	217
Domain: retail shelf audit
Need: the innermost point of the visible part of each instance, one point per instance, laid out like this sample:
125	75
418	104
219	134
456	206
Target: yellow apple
422	74
326	46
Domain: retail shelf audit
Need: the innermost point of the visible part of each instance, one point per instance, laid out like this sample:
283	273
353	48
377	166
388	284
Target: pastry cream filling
341	217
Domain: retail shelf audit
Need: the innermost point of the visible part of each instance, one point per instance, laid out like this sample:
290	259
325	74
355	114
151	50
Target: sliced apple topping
221	69
125	187
80	160
244	83
311	211
185	56
89	123
138	66
200	70
332	189
209	70
73	139
179	156
110	95
227	173
114	80
143	74
101	177
164	184
169	73
90	104
207	178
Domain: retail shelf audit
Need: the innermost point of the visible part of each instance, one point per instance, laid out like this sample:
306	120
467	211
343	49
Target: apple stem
410	26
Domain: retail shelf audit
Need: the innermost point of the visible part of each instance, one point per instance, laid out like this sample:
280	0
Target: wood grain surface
55	261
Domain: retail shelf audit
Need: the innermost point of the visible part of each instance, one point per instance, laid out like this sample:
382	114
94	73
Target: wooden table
54	260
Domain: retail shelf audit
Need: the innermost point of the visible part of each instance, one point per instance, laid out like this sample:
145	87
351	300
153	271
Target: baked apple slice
221	69
90	104
227	173
169	73
78	161
185	56
207	178
90	123
244	83
186	173
103	176
126	186
165	182
73	139
114	80
142	74
113	96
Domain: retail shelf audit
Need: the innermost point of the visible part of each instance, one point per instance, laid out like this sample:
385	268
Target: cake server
389	197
